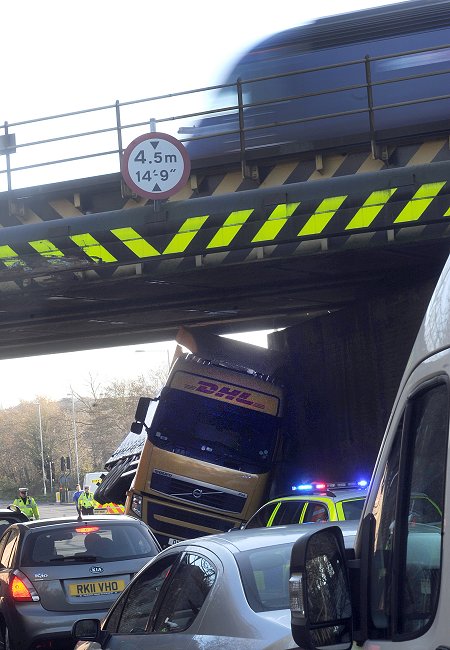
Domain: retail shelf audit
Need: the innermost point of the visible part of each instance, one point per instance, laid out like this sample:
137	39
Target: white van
394	592
92	480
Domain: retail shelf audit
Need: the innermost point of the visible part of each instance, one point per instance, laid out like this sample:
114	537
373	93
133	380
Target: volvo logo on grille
197	493
96	569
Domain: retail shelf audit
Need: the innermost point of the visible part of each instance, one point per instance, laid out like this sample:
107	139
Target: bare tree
102	419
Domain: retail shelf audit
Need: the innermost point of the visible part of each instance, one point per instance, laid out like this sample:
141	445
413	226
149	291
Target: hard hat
23	489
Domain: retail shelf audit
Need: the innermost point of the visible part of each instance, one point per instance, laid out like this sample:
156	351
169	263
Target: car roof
90	521
237	541
335	495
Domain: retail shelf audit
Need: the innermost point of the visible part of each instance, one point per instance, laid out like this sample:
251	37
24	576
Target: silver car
53	571
227	592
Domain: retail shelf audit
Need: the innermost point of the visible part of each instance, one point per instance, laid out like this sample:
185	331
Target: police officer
86	501
26	504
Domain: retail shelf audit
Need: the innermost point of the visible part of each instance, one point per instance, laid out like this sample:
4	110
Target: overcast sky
61	56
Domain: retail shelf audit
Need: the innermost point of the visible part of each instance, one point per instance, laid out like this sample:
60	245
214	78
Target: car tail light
21	589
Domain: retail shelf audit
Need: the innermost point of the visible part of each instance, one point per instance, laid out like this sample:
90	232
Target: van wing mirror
319	592
86	630
142	408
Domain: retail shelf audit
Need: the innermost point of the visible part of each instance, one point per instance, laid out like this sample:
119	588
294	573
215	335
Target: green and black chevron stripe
278	220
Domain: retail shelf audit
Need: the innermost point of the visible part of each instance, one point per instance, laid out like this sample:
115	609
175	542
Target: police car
312	502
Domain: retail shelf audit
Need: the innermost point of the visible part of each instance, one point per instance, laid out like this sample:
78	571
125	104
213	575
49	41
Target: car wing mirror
319	592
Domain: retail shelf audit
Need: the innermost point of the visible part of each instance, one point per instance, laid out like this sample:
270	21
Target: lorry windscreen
220	433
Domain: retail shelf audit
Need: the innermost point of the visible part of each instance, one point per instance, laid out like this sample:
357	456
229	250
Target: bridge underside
253	295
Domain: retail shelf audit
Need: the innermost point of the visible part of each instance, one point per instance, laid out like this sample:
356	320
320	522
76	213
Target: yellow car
311	503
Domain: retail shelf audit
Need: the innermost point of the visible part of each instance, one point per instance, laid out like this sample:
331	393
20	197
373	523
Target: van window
406	560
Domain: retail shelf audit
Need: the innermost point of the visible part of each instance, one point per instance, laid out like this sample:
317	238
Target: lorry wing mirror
319	592
136	427
142	408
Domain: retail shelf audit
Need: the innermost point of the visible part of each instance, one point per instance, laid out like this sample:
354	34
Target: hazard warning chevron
338	209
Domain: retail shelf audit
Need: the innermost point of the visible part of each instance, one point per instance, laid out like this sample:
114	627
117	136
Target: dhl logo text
225	393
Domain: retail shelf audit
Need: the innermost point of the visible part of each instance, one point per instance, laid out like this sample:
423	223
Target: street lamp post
75	437
42	449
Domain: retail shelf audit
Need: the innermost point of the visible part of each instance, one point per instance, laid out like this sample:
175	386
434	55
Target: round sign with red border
155	165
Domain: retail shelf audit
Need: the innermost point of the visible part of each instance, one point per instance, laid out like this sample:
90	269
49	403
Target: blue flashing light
303	487
316	486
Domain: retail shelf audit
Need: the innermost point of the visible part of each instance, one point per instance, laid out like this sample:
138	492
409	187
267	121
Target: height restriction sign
155	165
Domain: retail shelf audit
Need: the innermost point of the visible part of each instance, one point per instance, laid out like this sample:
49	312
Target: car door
161	605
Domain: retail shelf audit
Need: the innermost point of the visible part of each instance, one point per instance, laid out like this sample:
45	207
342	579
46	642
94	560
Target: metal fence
90	142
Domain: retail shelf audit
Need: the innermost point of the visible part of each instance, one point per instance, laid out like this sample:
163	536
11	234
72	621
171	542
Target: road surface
50	509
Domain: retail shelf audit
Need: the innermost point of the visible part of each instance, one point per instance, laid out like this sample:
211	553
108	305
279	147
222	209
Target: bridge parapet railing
358	102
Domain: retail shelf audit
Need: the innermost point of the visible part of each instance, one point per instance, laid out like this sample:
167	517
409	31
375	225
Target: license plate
96	588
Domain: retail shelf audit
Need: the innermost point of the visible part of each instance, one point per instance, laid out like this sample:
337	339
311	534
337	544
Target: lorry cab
394	592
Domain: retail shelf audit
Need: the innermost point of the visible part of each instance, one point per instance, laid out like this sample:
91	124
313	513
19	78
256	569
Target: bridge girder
264	257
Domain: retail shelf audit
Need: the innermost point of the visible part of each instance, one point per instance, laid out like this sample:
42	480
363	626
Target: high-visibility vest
28	507
86	500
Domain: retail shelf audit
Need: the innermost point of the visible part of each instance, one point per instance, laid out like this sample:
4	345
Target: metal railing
90	142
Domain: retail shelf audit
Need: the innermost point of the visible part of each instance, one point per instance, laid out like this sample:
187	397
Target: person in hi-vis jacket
26	504
86	501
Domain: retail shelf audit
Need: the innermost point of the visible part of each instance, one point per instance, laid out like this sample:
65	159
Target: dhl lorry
391	592
93	480
200	457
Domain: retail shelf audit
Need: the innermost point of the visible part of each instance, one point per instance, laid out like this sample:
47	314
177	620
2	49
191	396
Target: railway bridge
339	247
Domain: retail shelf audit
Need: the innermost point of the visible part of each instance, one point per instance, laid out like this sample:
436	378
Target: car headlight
136	505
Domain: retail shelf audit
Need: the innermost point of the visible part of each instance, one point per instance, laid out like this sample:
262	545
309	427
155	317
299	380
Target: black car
10	515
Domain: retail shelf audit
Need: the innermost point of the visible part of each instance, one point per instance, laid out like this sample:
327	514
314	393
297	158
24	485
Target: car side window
261	517
406	559
188	589
316	512
3	542
131	613
9	549
289	512
4	523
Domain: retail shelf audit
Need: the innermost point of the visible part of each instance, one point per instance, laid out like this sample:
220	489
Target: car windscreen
265	576
86	542
353	508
